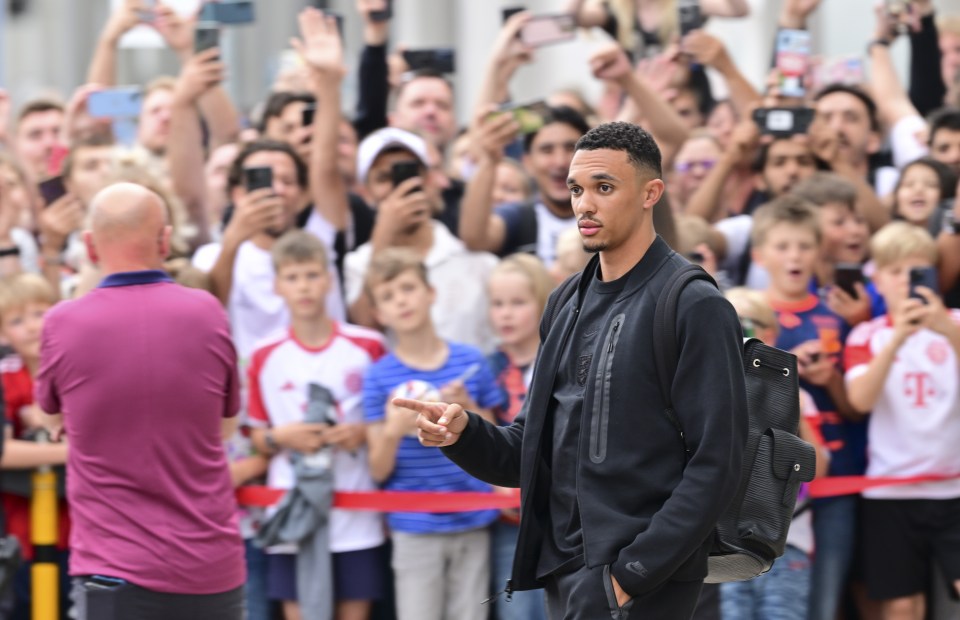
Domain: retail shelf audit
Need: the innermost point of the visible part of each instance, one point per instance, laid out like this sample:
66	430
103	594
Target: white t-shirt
256	311
549	229
280	373
915	425
459	277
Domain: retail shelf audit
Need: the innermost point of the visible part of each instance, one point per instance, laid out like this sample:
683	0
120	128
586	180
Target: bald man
141	374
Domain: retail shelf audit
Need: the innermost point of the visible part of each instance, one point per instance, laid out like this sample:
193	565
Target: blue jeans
528	605
258	607
835	531
780	594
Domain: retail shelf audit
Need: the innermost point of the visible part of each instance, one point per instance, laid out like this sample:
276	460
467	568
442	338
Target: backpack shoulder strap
557	300
665	349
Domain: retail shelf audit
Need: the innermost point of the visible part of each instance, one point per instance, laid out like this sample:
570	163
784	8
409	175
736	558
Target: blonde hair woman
645	26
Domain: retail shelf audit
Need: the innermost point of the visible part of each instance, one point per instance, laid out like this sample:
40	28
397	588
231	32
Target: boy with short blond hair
845	235
24	300
903	367
287	374
448	551
786	242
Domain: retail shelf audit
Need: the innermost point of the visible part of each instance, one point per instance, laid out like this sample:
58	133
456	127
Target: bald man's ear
91	248
165	242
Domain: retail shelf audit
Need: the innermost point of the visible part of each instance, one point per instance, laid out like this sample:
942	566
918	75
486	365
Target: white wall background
49	46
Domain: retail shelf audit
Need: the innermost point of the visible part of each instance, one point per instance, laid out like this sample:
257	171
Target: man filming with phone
269	184
392	165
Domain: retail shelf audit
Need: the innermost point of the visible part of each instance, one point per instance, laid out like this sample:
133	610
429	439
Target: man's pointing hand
439	424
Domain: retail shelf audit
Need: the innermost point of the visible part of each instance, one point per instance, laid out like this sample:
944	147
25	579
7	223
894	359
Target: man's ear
91	247
165	242
652	192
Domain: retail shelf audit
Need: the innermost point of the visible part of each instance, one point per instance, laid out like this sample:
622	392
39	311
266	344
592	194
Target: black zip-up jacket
642	512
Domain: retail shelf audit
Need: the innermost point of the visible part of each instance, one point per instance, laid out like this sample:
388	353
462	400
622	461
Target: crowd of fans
391	250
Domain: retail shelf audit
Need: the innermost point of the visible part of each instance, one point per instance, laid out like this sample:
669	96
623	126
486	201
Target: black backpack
752	531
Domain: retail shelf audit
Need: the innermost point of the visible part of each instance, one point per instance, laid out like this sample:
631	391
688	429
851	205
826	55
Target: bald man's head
128	228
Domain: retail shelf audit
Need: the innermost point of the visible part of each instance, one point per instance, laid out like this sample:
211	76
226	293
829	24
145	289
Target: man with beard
37	134
404	219
845	136
240	267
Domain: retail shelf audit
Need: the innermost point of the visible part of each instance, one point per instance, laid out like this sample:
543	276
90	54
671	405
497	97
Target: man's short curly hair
641	149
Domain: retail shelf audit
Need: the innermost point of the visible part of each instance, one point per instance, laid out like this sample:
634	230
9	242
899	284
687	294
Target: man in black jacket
616	519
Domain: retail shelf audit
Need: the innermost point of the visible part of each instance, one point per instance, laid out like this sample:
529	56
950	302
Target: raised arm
794	13
103	65
706	200
482	230
200	74
508	55
216	107
711	52
927	90
611	63
373	89
322	51
893	103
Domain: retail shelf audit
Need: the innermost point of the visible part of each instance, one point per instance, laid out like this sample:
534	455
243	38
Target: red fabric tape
393	501
851	485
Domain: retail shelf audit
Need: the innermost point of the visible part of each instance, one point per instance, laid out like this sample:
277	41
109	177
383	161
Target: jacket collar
651	262
132	278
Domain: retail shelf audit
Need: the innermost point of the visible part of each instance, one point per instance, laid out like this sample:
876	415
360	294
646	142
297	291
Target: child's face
509	185
789	254
22	327
893	280
918	194
514	311
403	303
845	234
304	287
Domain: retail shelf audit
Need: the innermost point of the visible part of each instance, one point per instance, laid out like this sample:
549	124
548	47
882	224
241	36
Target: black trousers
587	594
126	601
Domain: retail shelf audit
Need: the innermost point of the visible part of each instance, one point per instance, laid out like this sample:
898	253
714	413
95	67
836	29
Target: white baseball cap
387	138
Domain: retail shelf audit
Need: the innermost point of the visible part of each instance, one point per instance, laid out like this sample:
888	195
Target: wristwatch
14	251
271	442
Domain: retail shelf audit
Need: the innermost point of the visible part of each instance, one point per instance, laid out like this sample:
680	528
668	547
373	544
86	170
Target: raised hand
200	73
128	14
176	31
320	46
611	63
509	52
705	48
492	132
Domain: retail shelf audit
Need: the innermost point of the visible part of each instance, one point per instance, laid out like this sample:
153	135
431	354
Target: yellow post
45	572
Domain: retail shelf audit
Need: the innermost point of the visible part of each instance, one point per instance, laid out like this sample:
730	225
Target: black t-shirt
563	546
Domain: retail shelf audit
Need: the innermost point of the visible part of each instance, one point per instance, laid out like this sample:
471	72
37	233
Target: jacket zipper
521	535
600	419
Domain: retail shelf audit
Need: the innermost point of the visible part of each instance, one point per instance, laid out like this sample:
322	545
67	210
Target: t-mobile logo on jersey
919	387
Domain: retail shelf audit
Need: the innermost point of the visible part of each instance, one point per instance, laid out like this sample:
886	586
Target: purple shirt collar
131	278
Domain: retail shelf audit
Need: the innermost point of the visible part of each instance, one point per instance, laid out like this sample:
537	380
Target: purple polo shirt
143	371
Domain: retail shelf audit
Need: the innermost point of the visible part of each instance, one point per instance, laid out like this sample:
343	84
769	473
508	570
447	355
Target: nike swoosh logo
638	569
